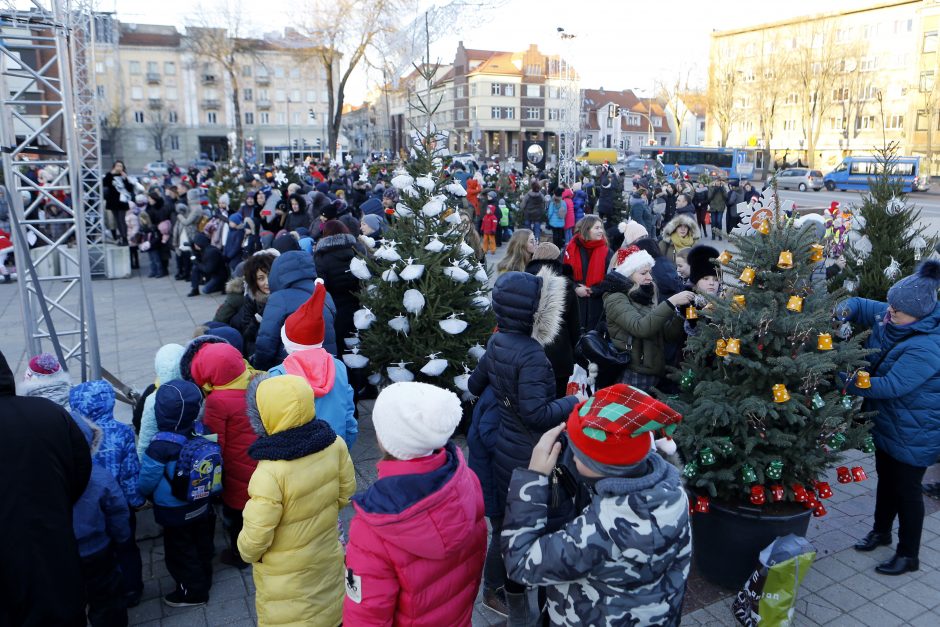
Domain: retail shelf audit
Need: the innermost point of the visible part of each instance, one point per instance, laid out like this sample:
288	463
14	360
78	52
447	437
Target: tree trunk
332	111
237	110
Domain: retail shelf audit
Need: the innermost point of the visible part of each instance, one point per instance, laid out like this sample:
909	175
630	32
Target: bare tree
853	89
771	87
816	71
159	131
724	87
672	91
928	88
111	125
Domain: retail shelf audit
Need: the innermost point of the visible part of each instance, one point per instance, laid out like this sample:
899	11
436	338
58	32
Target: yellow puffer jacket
304	477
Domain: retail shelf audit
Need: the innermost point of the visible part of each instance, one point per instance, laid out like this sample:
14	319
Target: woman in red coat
418	539
473	197
219	370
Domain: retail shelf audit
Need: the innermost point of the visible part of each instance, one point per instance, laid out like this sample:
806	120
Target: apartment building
819	87
622	120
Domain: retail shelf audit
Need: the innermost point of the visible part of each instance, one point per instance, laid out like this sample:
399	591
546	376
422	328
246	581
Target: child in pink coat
418	539
568	196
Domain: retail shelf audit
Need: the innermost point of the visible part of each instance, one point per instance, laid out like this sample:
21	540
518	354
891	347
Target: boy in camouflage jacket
625	559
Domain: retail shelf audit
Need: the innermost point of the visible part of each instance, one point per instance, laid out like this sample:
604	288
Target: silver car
800	178
156	168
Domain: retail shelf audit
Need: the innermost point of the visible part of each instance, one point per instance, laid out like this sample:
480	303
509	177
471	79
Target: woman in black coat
118	194
335	249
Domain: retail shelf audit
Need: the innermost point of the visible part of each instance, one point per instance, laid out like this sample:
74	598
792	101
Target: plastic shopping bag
769	596
580	383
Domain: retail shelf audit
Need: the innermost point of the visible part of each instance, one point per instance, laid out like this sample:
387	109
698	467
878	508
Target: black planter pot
727	540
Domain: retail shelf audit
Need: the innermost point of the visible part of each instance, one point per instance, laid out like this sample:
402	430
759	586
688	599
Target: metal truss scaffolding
39	129
570	125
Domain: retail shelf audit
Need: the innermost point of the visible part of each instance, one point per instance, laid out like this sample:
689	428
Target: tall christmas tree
891	239
425	302
764	410
228	179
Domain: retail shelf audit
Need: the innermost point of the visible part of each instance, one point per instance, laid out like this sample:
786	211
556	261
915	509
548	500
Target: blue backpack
198	473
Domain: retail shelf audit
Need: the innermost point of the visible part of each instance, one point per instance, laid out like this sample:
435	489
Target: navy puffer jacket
291	281
528	312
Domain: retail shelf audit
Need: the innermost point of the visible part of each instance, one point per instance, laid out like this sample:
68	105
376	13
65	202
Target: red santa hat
304	328
631	259
834	207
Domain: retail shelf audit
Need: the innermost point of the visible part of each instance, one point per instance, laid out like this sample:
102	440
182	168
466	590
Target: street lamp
290	144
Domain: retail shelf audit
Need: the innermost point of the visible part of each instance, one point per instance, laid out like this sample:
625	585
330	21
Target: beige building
156	94
816	88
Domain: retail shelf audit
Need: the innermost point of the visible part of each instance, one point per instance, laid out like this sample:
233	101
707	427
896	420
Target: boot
494	599
872	541
523	609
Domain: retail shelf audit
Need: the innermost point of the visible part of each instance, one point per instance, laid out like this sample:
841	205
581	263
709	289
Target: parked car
157	168
800	178
635	165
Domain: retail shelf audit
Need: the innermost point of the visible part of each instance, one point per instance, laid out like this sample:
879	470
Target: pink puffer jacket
416	545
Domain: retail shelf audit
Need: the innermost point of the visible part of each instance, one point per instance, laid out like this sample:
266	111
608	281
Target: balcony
155	103
263	79
153	78
209	79
263	104
210	104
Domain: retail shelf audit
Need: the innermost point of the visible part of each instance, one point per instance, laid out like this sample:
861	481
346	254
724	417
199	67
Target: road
928	203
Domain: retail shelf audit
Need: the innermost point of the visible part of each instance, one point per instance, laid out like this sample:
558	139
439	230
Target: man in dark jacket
46	464
209	267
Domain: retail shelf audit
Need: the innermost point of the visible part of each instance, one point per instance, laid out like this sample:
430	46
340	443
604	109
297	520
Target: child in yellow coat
303	479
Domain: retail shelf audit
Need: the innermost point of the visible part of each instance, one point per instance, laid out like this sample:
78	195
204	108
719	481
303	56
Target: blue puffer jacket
580	200
94	401
481	440
528	312
291	282
166	363
905	389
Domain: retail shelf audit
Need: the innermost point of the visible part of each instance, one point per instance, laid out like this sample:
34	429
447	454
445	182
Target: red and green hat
616	426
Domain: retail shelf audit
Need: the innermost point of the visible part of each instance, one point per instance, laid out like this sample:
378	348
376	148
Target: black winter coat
516	367
332	256
560	351
209	259
45	464
296	220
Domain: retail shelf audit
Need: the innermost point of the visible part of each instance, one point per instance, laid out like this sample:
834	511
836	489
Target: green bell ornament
837	441
706	456
748	474
774	470
725	447
846	401
688	378
690	470
868	446
818	402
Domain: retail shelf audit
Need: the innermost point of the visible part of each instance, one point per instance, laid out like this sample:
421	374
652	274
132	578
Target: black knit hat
701	260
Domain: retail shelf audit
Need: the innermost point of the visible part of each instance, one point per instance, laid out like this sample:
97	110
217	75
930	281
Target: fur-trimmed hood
530	304
236	285
680	219
251	404
54	387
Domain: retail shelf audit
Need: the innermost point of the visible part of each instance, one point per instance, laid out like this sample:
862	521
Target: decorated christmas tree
889	239
764	410
425	302
228	179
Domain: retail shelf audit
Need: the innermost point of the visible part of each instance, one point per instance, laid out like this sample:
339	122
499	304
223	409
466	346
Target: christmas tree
764	411
891	239
228	179
425	302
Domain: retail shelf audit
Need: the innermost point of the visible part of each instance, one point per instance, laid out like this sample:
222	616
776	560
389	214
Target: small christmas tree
425	303
892	239
764	411
228	179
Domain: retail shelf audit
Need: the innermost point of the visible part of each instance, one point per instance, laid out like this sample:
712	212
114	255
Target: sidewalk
136	316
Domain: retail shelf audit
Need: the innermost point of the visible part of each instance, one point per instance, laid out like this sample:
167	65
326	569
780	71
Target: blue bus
736	163
854	172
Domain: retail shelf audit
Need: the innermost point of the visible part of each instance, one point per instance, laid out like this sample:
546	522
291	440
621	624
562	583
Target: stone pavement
137	315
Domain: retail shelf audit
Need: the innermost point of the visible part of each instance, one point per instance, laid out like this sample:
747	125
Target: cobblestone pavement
137	315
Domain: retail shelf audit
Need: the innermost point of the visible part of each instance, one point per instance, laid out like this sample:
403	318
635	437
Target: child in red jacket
490	225
418	539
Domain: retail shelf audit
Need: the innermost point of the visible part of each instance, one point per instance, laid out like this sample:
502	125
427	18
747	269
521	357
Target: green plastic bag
769	596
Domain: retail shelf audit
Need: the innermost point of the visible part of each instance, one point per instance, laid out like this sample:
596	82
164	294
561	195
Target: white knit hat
413	419
632	259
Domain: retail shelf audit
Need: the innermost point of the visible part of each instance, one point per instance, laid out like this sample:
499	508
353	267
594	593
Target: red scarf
597	263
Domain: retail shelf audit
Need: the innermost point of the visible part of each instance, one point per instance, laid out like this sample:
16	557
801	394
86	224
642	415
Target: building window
840	94
533	113
792	98
137	93
249	117
99	89
134	67
278	72
171	93
280	95
324	95
139	117
633	120
534	69
99	67
923	122
789	125
863	122
212	118
174	142
554	114
868	64
610	122
263	94
926	81
509	89
172	117
657	121
533	91
496	89
496	113
246	71
261	72
152	67
311	95
509	113
843	35
281	118
295	72
142	144
837	124
460	91
247	94
295	95
153	93
894	122
869	92
295	117
461	114
930	42
264	117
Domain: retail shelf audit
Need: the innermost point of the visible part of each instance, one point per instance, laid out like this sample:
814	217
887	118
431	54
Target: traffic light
319	142
312	114
613	111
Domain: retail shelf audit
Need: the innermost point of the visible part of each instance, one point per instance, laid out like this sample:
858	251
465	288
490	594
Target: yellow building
819	87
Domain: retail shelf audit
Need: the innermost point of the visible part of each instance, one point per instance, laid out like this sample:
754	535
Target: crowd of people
253	418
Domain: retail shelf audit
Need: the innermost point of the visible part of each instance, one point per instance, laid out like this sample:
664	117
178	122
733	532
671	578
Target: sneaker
495	601
230	558
179	598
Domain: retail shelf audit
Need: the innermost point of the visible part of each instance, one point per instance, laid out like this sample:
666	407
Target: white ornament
481	301
387	253
845	331
371	289
433	207
477	351
352	341
453	218
413	300
425	182
398	373
368	241
435	366
402	181
456	273
400	324
435	245
918	244
455	189
893	271
461	380
849	285
403	211
453	325
360	269
363	318
863	247
299	170
894	206
354	359
412	271
375	378
280	178
480	275
465	249
411	192
390	276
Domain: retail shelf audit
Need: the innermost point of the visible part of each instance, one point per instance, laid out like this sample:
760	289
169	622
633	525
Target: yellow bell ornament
747	275
824	342
764	228
816	253
720	348
795	304
780	393
733	346
725	257
785	262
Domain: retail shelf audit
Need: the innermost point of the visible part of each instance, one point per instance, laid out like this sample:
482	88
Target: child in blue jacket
100	520
188	528
94	401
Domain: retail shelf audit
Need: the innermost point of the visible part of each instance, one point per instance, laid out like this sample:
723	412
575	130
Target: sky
620	44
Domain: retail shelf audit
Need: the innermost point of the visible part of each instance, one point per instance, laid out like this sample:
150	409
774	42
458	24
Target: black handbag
595	346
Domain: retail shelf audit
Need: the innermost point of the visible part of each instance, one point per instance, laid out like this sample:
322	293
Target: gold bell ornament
824	342
816	252
721	348
725	257
764	228
733	346
739	301
747	275
691	313
780	393
795	304
863	380
785	262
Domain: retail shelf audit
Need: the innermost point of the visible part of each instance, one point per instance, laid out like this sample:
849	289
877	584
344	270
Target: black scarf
643	295
294	443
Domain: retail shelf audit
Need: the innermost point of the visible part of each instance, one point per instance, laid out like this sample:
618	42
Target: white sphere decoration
352	340
477	351
363	318
400	324
411	192
480	275
435	245
403	211
453	325
390	276
398	373
465	249
453	218
412	271
368	241
354	359
481	301
359	269
425	182
413	300
433	207
894	206
435	366
461	381
402	181
455	189
387	252
375	378
456	273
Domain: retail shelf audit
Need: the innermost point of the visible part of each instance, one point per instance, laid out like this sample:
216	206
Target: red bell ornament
819	510
799	493
824	490
702	505
758	496
858	473
777	493
843	475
